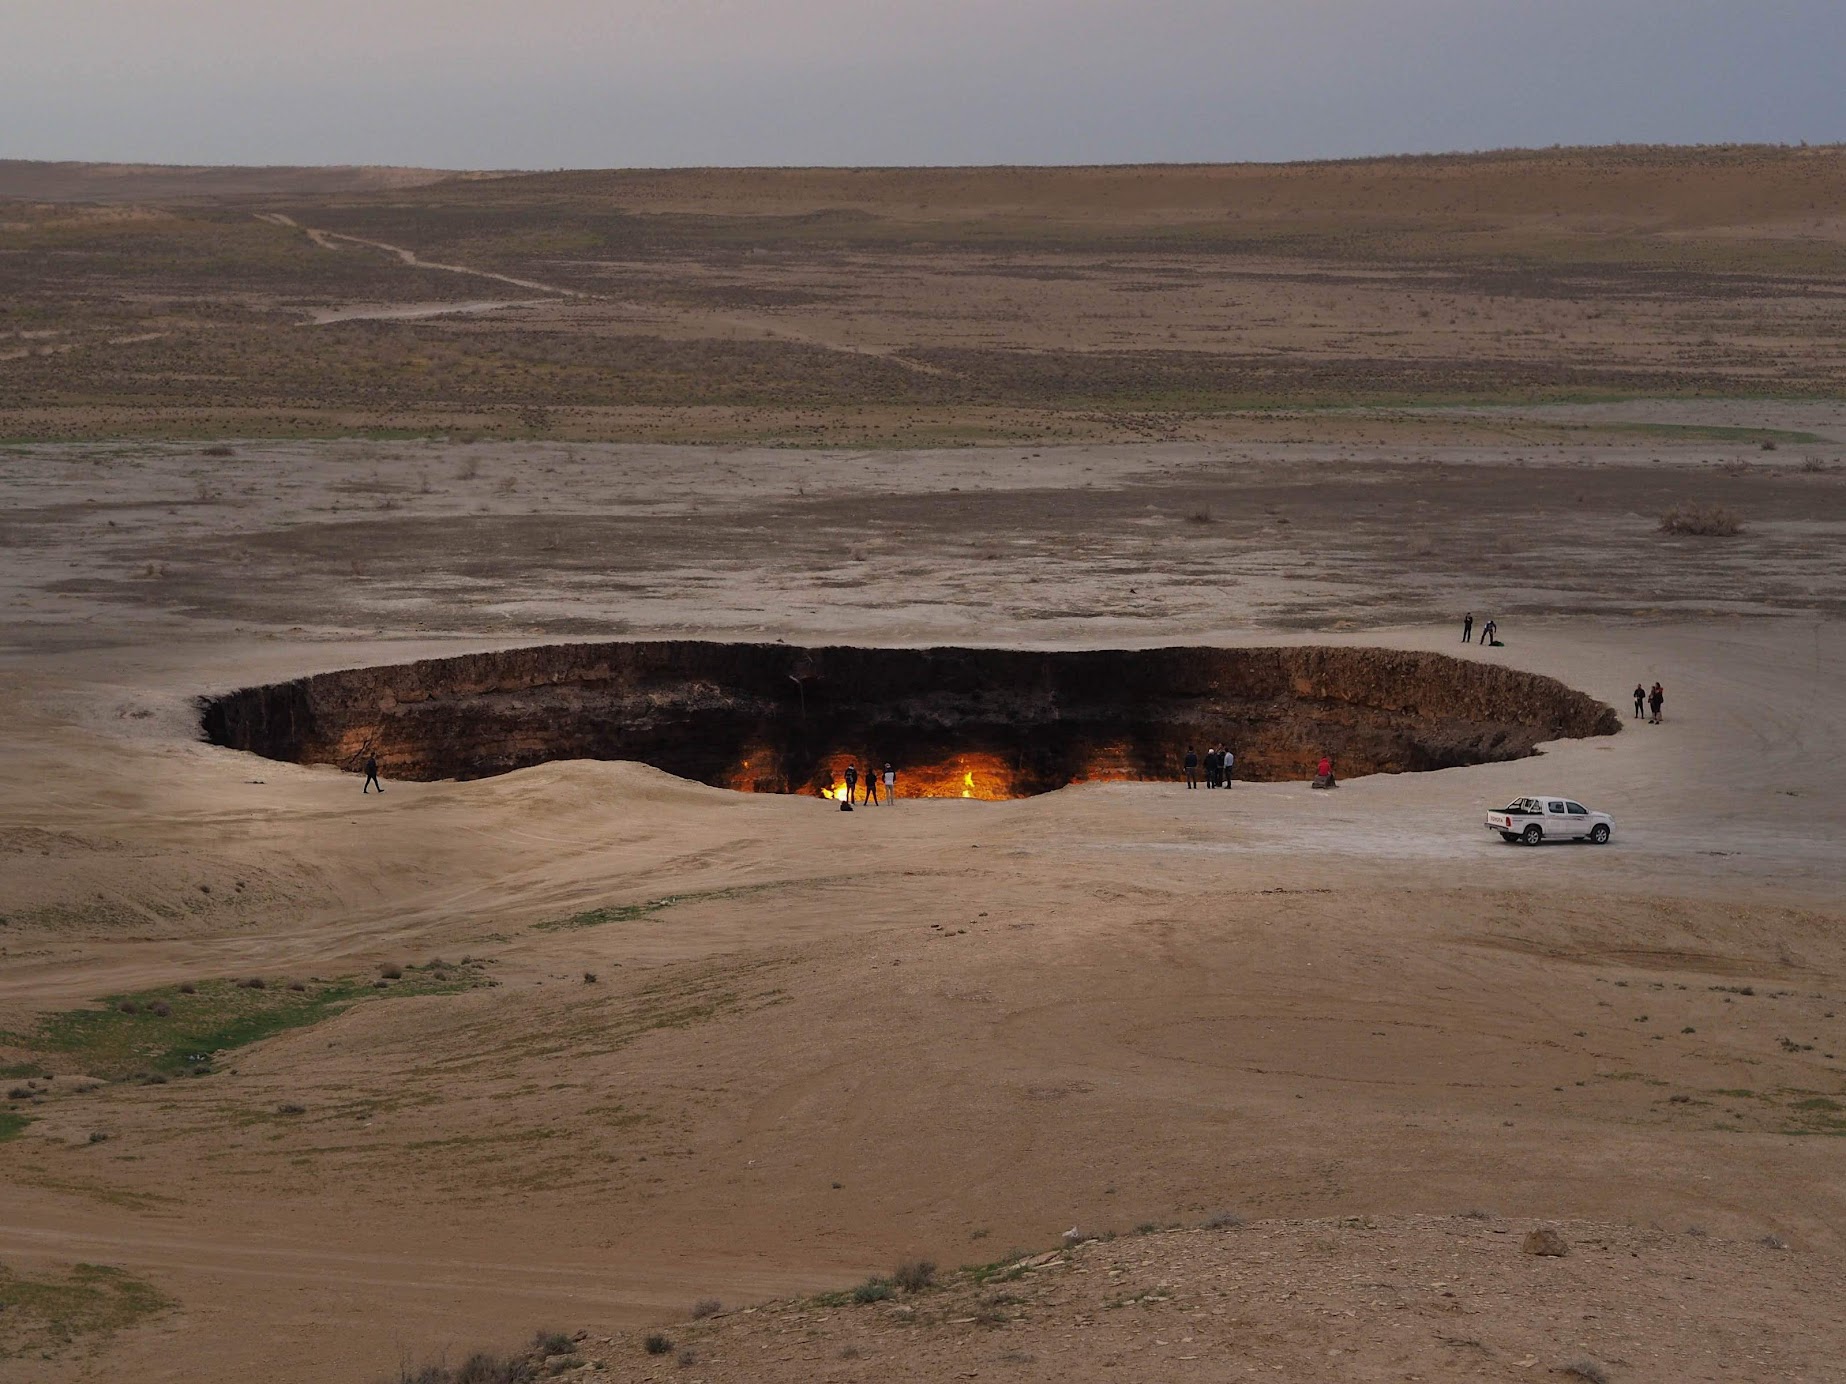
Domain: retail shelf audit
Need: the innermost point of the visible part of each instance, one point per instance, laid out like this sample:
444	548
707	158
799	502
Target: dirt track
839	1040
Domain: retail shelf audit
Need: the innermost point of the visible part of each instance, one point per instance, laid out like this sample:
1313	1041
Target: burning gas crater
954	722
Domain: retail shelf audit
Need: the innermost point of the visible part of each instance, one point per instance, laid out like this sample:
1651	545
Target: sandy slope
940	1029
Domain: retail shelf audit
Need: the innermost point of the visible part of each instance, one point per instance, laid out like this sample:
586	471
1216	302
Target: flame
831	793
967	784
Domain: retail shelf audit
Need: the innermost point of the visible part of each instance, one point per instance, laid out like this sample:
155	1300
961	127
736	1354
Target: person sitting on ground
1323	776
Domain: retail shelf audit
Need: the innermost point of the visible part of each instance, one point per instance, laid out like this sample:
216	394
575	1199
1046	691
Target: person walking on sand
1488	631
371	775
1192	767
1467	628
1655	700
890	784
1640	700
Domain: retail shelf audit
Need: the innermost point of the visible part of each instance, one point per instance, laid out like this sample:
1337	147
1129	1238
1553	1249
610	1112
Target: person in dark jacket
1640	701
371	775
1467	627
1192	767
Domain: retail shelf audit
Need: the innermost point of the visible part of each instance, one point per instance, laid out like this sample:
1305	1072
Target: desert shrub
152	1078
1773	1242
589	977
914	1275
391	972
290	1108
129	1007
1224	1220
1476	1214
297	986
188	988
706	1307
21	1093
254	983
160	1009
873	1290
1701	521
218	449
553	1343
1586	1369
482	1368
657	1344
1201	516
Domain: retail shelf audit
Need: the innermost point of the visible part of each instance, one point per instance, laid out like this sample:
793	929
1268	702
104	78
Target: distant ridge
33	181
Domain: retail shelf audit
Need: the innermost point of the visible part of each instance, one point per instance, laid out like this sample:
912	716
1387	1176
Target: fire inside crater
953	722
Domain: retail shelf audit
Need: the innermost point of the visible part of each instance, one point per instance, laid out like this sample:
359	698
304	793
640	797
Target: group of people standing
1219	761
871	784
1488	630
1653	699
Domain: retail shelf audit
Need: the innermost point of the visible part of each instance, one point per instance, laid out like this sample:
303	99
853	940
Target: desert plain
1268	1083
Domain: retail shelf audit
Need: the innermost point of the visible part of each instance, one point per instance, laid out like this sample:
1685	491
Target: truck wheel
1509	836
1600	833
1533	834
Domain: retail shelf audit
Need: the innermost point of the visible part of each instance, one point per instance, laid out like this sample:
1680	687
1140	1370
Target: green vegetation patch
46	1314
11	1123
169	1031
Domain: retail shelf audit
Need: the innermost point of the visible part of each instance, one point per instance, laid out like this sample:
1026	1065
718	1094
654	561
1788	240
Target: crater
955	722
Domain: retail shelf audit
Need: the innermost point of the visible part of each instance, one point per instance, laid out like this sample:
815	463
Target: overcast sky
611	83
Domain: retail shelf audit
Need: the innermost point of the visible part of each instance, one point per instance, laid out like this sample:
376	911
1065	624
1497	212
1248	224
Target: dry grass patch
1701	521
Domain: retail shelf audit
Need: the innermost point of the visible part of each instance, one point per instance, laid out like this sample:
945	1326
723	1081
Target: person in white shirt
890	785
1230	759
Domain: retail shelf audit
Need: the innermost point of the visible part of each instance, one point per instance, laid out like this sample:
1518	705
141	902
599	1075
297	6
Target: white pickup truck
1547	817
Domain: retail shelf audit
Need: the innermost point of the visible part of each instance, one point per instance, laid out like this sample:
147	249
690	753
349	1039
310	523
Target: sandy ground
944	1028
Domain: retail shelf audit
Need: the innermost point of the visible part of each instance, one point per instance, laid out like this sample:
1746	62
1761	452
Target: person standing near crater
1640	701
1229	763
1192	767
1488	631
852	781
1467	628
871	787
1656	699
890	784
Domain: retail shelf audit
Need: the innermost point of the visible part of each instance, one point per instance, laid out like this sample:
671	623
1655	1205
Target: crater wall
989	723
